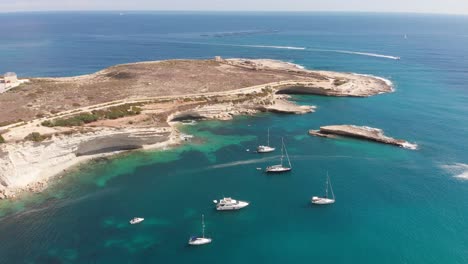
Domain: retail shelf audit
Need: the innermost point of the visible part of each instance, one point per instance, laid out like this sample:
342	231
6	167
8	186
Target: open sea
393	205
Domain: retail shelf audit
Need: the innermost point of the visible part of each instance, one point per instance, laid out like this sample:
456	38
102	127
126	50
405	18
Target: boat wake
386	81
240	45
310	157
241	162
458	170
408	145
359	53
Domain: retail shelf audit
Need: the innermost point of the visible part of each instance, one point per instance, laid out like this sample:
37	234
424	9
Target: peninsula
50	124
361	132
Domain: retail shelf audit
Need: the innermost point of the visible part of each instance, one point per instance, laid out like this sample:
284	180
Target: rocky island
360	132
50	124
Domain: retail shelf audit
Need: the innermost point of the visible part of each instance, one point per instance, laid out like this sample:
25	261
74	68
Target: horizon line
231	11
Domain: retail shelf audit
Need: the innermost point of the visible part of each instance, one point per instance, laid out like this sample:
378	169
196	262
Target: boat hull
237	206
274	169
265	149
322	200
199	241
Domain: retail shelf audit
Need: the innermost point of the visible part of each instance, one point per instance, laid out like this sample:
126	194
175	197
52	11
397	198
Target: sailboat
325	199
280	167
267	148
197	240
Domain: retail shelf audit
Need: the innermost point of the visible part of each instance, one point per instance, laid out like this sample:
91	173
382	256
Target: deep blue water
393	205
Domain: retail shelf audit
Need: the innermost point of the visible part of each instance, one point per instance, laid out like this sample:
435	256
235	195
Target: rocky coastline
361	132
27	165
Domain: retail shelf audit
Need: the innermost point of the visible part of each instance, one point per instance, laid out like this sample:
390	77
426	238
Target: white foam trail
460	170
408	145
368	54
296	65
241	45
387	81
241	162
360	53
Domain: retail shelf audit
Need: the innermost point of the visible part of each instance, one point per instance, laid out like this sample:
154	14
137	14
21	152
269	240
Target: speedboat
228	203
136	220
200	240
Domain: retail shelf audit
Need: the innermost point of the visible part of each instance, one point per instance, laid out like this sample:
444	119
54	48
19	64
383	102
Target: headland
51	124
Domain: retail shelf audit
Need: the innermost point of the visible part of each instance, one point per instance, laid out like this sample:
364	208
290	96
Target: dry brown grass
148	79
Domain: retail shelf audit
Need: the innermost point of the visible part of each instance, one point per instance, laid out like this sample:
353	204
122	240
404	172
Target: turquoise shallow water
393	205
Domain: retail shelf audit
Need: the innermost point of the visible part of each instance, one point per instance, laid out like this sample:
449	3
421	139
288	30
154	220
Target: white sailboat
227	203
280	167
325	199
267	148
197	240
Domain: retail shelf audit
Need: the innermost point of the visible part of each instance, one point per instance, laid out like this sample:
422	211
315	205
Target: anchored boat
267	148
227	203
197	240
325	199
280	167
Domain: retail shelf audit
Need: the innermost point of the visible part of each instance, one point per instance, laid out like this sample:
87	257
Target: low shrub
36	137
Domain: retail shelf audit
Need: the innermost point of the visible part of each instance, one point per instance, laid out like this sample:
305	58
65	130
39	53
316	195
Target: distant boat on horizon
267	148
280	167
325	200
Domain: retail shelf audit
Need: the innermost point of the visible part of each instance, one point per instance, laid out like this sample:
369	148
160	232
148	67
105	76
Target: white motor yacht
136	220
228	203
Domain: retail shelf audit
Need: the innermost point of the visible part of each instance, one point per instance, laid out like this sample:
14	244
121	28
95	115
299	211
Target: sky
413	6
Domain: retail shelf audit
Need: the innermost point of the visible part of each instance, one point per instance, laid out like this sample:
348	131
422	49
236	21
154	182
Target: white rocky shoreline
28	166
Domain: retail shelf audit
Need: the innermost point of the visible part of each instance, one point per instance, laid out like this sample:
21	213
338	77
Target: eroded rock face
28	165
361	132
119	142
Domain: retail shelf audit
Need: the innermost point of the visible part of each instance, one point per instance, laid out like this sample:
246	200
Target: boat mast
282	155
268	140
331	188
326	187
203	225
287	156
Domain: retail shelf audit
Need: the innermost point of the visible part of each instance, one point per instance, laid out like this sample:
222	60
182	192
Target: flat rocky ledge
361	132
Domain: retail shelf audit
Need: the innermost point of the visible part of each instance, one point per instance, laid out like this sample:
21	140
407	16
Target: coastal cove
77	134
393	205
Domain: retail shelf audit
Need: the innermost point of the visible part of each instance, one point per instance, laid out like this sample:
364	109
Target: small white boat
280	167
197	240
325	199
267	148
186	137
136	220
227	203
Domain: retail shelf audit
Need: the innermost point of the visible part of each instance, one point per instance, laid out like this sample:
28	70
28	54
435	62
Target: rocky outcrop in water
361	132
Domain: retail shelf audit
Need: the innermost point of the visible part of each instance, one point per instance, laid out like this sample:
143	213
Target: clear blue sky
418	6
